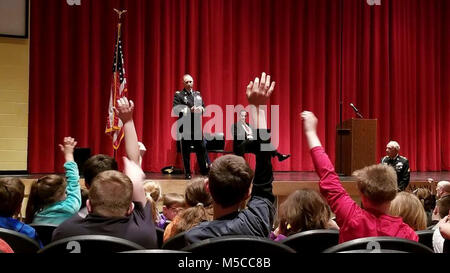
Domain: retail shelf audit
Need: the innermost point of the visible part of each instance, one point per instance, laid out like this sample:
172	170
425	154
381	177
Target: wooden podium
355	145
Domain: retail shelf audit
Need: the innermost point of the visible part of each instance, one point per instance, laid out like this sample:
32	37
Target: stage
283	185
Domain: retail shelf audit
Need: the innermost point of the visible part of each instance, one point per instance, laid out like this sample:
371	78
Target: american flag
118	90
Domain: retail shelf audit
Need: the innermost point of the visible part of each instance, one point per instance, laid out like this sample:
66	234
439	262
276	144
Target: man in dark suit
243	138
189	106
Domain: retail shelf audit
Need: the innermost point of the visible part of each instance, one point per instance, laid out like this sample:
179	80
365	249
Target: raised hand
68	147
309	121
310	128
259	91
124	109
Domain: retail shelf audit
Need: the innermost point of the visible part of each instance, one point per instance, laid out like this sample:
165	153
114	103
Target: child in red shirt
377	185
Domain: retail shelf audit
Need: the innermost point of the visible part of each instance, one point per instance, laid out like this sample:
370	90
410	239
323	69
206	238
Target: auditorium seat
45	232
164	251
374	244
90	244
238	245
176	242
426	237
312	241
446	246
160	236
19	242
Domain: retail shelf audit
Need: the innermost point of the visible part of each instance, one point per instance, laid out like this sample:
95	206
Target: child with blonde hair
53	198
153	194
377	185
409	207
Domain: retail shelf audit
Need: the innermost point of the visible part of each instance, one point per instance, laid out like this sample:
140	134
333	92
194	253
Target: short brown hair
443	205
172	198
303	210
377	182
425	198
46	190
196	193
97	164
230	178
11	195
409	207
111	194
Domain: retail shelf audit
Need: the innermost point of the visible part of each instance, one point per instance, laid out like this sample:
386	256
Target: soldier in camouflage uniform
399	163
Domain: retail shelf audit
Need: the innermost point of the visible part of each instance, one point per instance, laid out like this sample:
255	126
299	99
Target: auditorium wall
14	71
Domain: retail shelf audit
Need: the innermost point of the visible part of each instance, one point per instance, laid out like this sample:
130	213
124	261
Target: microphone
356	110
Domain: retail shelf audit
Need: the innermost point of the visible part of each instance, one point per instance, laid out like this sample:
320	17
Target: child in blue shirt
11	195
54	199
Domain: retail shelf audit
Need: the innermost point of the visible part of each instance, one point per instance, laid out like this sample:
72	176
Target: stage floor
312	176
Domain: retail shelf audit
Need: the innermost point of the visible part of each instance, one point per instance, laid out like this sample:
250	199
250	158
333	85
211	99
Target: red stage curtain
395	67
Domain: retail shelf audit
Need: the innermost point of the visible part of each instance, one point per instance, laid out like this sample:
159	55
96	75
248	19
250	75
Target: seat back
238	245
155	251
176	242
159	236
426	237
91	244
312	241
19	242
446	246
375	244
45	232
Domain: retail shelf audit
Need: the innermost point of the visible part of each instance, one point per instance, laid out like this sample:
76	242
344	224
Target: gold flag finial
120	12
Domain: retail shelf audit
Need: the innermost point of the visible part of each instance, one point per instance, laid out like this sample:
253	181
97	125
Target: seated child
11	196
428	201
409	207
153	194
377	185
172	204
443	209
303	210
199	203
53	199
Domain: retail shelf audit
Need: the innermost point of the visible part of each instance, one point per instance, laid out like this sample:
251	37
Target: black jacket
184	100
401	166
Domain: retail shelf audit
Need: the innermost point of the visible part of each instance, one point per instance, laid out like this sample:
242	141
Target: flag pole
119	26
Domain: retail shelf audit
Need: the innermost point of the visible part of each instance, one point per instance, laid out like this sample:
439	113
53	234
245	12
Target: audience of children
117	205
122	205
